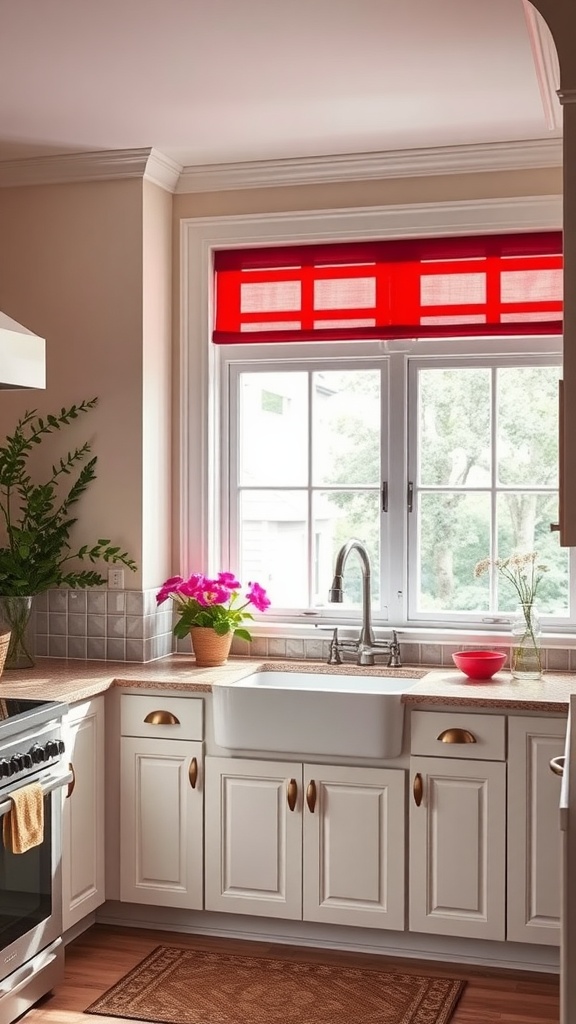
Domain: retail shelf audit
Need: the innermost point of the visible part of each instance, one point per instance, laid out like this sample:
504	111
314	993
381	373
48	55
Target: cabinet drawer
488	732
177	718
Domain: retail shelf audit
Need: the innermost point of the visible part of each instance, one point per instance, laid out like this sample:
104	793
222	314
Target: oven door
31	885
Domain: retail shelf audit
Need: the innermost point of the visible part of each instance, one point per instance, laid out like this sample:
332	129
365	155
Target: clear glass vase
15	613
526	651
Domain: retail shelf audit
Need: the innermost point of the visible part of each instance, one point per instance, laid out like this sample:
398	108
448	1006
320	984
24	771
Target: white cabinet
161	801
312	842
534	853
458	826
83	813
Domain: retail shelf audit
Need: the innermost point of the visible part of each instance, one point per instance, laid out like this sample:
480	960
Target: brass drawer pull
292	794
456	736
557	765
161	718
311	796
193	772
72	784
418	789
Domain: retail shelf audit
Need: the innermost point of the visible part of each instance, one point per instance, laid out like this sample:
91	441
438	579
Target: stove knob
27	761
51	748
36	753
61	746
5	768
16	763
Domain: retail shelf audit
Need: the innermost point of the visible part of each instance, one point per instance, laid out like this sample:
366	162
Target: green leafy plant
36	518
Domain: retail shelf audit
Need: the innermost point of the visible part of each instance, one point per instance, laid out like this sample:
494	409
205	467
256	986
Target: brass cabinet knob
193	772
311	796
418	789
292	794
161	718
457	736
72	784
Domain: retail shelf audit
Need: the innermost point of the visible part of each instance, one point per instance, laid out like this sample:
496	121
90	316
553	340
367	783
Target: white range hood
22	356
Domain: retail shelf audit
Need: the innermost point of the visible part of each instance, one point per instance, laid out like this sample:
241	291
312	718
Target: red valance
440	287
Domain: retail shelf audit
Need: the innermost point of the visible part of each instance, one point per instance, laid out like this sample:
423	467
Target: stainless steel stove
31	949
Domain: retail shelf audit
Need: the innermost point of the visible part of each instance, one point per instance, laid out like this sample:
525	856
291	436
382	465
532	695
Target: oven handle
48	786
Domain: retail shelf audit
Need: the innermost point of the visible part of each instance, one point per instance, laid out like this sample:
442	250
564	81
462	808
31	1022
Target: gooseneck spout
366	638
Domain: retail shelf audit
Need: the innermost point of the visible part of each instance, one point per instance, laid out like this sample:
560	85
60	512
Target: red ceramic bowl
479	664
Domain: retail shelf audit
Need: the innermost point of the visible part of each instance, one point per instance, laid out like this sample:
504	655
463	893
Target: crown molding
152	165
407	163
104	165
546	65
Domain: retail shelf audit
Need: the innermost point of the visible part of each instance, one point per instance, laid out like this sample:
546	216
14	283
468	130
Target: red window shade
420	288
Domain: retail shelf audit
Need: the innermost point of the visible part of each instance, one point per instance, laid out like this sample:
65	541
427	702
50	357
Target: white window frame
198	397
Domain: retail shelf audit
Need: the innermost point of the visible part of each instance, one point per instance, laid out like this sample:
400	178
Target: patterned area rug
187	986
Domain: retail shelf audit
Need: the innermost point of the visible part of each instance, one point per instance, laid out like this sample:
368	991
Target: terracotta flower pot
210	649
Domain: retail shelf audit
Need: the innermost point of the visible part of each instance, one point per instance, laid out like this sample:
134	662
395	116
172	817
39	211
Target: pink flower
168	588
212	593
193	585
228	579
258	597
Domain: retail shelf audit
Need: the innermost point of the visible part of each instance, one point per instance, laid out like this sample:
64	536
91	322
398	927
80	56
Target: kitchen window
437	454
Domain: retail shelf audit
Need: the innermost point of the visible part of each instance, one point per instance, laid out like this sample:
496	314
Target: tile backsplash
127	625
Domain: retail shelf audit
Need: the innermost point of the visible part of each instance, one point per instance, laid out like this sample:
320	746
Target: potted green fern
35	524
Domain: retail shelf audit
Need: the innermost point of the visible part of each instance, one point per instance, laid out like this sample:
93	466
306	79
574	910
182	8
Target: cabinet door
534	854
457	847
161	822
354	846
253	837
83	813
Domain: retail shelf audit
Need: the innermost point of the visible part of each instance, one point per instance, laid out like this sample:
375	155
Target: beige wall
71	270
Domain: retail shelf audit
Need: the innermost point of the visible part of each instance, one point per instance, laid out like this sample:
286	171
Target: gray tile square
240	647
431	654
295	649
77	601
96	603
116	602
41	602
77	646
77	624
134	602
57	646
135	627
57	624
96	624
58	600
116	650
150	602
116	626
135	650
259	647
96	648
313	650
276	647
409	653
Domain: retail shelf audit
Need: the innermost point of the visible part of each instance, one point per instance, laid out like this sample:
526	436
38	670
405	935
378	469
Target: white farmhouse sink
312	714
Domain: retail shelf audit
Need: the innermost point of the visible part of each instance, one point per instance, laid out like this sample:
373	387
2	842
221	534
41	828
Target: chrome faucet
366	645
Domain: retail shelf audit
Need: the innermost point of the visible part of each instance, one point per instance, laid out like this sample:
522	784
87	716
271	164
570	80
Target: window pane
453	535
528	425
273	441
340	516
524	526
346	427
454	427
274	544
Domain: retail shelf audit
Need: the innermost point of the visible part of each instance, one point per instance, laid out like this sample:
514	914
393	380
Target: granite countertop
71	681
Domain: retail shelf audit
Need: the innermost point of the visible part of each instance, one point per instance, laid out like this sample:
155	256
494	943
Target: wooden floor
99	957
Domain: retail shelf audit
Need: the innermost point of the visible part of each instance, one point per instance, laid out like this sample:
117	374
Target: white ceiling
223	81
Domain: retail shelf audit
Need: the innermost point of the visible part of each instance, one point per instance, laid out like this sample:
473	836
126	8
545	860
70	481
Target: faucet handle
334	657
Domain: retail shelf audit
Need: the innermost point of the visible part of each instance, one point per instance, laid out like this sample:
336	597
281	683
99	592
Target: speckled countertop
71	681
